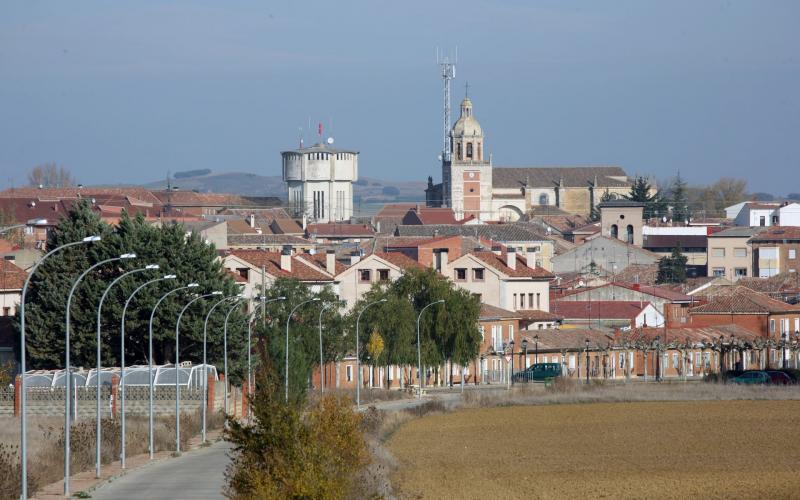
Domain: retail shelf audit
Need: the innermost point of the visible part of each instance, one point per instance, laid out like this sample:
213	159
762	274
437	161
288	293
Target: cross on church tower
466	90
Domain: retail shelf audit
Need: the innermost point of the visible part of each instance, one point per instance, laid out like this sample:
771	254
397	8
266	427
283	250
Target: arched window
629	235
458	150
614	231
544	199
469	150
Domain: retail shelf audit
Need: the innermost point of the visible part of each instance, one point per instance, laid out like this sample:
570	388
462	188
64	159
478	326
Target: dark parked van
540	372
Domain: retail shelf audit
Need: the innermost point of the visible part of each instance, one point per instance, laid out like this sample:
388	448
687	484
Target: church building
472	186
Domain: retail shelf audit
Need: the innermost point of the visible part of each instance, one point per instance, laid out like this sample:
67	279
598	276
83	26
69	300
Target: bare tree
50	175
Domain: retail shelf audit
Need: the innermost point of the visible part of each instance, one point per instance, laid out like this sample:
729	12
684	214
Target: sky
125	91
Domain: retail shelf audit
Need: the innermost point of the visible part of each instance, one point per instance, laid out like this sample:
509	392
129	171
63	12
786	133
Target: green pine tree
672	269
654	204
679	200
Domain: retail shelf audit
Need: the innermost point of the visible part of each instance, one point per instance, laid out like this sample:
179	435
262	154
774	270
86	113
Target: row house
740	306
647	353
775	250
501	278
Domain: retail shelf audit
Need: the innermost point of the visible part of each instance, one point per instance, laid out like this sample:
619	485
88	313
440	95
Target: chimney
355	258
511	257
305	222
330	262
251	220
530	257
286	258
497	249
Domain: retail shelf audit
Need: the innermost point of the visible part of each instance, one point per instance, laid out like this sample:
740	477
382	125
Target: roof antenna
300	134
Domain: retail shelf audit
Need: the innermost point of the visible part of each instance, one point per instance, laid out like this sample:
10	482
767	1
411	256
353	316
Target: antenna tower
448	74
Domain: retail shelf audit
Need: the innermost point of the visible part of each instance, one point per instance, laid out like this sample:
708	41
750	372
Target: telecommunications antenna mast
448	74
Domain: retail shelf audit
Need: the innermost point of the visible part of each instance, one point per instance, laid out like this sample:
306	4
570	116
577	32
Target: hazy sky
125	91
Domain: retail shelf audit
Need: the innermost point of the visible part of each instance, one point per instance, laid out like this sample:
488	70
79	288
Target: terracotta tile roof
339	230
239	226
657	291
551	339
742	300
489	313
598	309
12	277
563	223
255	240
521	268
398	259
33	193
414	242
672	241
777	234
506	232
238	278
395	209
271	261
780	283
286	226
762	206
320	260
645	273
538	315
694	336
428	215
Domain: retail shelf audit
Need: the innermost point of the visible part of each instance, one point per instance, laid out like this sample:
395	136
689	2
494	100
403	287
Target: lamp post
68	375
122	363
783	350
419	348
358	358
511	347
150	359
321	360
98	430
536	348
177	367
205	366
587	361
24	398
286	368
225	347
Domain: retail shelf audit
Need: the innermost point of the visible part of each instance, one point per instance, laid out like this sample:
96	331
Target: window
496	338
772	326
718	252
515	301
762	221
675	360
243	272
740	272
365	276
458	150
740	252
349	373
792	253
383	275
391	373
461	274
629	234
483	333
522	301
797	324
719	272
510	333
544	199
477	274
469	150
539	301
530	301
614	231
6	311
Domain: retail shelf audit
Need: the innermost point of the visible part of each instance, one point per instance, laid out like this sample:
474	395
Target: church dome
467	125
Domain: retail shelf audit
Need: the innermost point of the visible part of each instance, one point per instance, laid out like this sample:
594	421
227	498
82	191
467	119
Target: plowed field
698	449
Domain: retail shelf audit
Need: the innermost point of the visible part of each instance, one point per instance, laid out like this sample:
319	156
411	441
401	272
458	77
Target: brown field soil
690	449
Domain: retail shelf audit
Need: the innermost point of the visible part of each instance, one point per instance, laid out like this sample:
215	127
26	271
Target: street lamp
587	361
783	350
321	361
177	366
358	360
98	430
536	348
288	319
68	375
205	366
225	347
150	356
122	363
511	347
24	397
419	348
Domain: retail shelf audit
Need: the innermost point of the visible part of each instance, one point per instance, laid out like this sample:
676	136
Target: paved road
196	475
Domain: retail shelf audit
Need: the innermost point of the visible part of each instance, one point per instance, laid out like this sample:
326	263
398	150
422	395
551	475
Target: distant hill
366	189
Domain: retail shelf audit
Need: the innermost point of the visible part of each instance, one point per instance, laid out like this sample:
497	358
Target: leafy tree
303	331
169	247
763	196
50	175
672	269
680	204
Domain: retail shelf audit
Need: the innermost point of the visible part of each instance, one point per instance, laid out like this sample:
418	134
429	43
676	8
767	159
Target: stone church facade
473	187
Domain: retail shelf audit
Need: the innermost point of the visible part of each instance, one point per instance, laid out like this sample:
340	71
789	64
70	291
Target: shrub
287	452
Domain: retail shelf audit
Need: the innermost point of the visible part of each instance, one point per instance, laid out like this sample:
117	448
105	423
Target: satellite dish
439	157
330	140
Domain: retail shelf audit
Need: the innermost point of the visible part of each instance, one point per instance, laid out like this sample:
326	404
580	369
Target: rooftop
547	177
598	309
